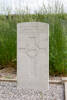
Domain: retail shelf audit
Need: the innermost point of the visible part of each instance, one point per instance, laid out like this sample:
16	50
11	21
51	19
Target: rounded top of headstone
33	24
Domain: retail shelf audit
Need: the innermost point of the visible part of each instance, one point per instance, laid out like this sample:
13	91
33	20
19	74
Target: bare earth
8	73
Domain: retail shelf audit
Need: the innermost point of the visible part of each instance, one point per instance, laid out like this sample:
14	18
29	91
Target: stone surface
9	91
33	55
64	79
65	90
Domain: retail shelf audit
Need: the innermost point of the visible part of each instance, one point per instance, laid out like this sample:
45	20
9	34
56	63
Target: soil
8	72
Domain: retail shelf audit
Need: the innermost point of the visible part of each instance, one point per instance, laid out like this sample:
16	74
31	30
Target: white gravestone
33	55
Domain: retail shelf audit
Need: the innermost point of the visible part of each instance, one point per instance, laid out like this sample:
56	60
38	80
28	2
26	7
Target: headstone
33	55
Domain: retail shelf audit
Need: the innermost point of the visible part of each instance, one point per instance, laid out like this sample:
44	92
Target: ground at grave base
8	73
8	90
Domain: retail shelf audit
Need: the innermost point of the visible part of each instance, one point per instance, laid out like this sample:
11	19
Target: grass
7	41
57	38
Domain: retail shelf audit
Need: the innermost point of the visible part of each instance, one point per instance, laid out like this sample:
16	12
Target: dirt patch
8	72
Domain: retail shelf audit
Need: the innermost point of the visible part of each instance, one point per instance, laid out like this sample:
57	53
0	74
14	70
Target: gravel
8	91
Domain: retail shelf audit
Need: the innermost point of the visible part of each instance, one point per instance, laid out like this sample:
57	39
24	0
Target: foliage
8	38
